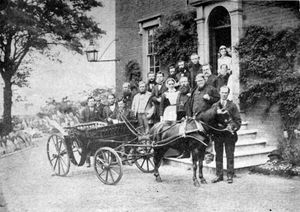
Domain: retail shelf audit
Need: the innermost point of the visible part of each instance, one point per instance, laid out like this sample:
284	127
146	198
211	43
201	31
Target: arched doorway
219	33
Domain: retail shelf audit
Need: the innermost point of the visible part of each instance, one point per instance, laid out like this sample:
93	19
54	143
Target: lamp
92	53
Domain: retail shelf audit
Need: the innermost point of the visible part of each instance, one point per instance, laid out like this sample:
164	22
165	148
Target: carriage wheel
20	142
58	155
79	152
144	160
108	166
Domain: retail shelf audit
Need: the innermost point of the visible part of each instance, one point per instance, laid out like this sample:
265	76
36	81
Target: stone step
246	134
250	145
244	125
243	160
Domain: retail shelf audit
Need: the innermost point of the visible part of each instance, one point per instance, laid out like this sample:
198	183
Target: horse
190	135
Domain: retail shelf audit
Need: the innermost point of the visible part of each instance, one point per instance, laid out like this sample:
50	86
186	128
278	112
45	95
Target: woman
168	102
224	59
232	80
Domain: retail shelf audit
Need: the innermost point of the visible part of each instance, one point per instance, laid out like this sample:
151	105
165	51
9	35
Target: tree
176	38
33	25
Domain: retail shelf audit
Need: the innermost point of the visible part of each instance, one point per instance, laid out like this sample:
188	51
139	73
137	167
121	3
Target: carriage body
111	145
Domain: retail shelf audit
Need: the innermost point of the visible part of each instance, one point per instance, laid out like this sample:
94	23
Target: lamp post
92	53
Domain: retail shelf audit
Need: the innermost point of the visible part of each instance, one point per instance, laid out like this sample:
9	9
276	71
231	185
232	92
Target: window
153	63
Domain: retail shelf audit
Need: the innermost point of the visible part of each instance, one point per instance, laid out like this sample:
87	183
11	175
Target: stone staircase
250	150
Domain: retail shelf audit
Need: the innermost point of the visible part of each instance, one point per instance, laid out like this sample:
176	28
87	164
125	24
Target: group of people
187	91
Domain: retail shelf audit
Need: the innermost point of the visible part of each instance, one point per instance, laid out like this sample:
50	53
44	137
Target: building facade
219	22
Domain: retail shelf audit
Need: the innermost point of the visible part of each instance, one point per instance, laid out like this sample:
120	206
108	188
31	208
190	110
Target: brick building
136	20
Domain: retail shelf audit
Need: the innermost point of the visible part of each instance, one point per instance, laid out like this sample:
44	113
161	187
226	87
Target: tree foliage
176	38
270	70
34	25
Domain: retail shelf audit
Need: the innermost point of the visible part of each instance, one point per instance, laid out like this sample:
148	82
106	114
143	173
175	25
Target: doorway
219	34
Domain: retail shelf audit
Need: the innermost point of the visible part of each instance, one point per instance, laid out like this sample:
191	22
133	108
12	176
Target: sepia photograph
149	105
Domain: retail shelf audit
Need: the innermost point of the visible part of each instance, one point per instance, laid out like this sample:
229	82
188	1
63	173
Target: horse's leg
195	160
157	159
201	158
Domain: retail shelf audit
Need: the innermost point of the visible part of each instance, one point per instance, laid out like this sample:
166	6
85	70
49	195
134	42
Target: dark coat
234	114
212	80
150	86
198	104
87	115
184	72
222	80
107	113
156	93
194	70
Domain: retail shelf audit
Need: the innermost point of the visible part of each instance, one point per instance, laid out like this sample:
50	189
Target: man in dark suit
110	109
203	97
89	113
195	68
227	139
151	81
210	78
183	70
157	91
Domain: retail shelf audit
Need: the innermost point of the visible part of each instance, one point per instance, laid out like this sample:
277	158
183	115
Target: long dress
170	111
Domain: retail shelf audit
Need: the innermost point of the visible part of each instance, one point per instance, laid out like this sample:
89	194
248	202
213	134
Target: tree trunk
7	120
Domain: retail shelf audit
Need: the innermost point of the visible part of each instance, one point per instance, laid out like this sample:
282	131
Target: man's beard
126	94
151	80
184	89
142	92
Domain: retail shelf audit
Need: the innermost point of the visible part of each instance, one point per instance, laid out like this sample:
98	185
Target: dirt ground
27	185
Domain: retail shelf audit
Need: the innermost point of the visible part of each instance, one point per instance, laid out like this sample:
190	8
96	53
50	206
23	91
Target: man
127	94
123	112
110	109
172	73
183	99
183	70
195	68
157	91
89	113
151	81
223	76
203	97
227	139
99	108
210	78
139	105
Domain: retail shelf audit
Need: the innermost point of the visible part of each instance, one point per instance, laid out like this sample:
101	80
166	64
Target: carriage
111	145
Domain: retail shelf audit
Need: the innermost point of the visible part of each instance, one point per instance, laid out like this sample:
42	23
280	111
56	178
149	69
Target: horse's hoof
203	181
196	183
158	179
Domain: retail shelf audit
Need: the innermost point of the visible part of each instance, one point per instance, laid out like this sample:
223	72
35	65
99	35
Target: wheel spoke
64	162
101	172
151	162
59	166
147	165
106	177
143	162
115	171
55	164
111	176
55	143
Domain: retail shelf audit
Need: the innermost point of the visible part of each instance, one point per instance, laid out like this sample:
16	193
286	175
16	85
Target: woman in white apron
168	102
